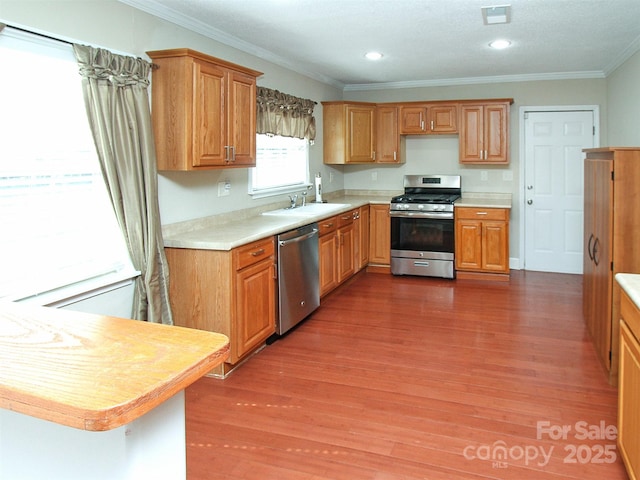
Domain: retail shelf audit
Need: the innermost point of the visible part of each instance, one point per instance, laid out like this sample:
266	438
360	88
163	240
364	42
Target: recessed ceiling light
496	14
500	44
373	55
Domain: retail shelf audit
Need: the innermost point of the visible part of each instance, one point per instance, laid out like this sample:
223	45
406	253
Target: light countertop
630	283
484	200
225	232
94	372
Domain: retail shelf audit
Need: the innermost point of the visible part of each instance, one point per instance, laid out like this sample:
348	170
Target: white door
553	189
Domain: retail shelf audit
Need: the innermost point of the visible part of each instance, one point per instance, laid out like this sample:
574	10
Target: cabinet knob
529	202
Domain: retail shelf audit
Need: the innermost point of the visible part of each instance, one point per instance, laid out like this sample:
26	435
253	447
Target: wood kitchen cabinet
389	143
203	111
379	236
230	292
361	228
346	245
629	386
433	118
484	132
611	223
482	241
348	132
328	254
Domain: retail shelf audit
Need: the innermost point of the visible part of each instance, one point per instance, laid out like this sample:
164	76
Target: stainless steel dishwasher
298	276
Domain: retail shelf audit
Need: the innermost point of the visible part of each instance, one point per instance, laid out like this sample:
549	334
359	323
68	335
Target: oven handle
431	215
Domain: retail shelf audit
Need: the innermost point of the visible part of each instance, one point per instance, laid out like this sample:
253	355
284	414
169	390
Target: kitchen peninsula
88	396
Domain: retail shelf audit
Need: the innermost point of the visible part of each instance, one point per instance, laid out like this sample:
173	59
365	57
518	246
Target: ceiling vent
496	14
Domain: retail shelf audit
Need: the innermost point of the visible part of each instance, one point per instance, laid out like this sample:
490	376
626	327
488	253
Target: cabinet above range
203	111
368	133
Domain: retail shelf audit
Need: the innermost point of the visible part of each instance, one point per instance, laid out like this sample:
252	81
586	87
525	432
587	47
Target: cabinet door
443	119
468	245
495	133
362	237
495	251
471	133
628	400
379	235
387	137
346	258
599	275
328	261
209	118
242	120
413	120
255	307
360	136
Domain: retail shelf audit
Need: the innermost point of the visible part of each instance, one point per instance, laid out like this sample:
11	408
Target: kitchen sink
309	210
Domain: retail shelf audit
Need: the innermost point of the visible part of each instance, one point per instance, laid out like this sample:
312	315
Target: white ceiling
424	42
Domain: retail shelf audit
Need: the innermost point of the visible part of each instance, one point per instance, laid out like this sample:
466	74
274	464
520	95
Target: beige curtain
117	101
285	115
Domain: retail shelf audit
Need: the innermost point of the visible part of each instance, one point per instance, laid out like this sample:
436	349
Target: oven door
422	232
422	244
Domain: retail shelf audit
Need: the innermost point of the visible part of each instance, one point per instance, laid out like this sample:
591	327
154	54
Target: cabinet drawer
629	311
328	225
253	252
346	218
472	213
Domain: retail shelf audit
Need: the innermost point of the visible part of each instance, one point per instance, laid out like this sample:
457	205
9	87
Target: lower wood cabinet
482	240
379	235
629	386
230	292
361	228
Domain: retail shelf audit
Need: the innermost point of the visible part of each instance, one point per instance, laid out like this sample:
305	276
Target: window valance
285	115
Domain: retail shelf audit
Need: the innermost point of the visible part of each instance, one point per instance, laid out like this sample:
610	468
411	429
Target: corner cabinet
482	242
360	133
611	223
230	292
203	111
629	386
484	132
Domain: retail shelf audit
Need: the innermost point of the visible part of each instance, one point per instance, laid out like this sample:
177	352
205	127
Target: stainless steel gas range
422	226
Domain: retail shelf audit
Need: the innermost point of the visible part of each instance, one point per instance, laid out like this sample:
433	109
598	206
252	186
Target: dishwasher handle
301	238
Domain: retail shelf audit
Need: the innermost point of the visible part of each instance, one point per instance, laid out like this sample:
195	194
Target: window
59	228
282	165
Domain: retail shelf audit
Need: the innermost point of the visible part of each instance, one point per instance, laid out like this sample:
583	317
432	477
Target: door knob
529	187
530	202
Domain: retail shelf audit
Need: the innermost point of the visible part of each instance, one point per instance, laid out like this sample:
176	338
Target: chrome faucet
304	198
293	199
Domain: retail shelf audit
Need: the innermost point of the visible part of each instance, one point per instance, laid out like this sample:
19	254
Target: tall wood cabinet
230	292
379	236
203	111
611	242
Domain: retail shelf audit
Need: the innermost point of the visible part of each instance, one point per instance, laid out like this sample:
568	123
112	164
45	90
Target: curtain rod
48	37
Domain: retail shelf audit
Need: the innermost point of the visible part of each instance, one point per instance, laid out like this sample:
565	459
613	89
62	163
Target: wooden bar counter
89	396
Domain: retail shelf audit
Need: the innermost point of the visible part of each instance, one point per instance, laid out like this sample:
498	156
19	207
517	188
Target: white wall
623	95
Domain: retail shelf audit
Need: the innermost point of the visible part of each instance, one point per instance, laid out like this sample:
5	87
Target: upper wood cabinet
388	140
348	132
484	132
433	118
203	111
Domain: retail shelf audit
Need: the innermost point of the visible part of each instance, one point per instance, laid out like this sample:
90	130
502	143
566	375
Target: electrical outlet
374	176
330	177
224	188
484	175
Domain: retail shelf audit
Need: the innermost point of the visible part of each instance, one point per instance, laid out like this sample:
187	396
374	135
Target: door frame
595	109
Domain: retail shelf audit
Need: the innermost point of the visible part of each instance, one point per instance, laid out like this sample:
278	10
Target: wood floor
402	378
